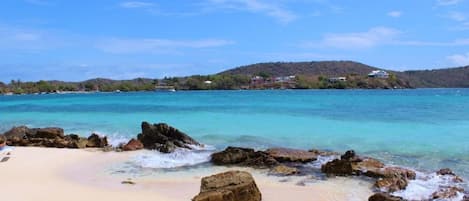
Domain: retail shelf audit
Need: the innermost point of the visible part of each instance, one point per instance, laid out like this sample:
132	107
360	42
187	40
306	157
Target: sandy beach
57	174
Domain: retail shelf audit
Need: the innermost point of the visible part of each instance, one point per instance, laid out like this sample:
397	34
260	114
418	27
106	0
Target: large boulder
243	157
132	145
291	155
164	138
229	186
384	197
392	179
96	141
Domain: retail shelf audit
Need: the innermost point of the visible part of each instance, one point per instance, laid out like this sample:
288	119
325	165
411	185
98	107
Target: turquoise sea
425	129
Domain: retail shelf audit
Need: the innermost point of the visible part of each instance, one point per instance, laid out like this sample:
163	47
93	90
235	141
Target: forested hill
440	78
326	68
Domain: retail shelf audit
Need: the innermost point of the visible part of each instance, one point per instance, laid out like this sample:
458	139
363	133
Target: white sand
63	174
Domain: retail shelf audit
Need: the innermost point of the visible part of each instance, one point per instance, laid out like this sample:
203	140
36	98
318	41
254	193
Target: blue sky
78	40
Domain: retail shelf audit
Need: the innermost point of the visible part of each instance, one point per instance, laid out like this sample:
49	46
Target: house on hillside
284	79
257	81
379	74
337	79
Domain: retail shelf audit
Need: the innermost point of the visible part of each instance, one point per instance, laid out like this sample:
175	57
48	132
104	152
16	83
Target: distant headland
273	75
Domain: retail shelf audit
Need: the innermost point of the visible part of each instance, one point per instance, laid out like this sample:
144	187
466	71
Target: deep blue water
424	128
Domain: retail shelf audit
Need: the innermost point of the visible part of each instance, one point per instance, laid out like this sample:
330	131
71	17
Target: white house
378	74
208	82
337	79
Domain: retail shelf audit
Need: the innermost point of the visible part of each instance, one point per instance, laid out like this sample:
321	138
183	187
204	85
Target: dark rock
128	182
338	167
95	141
388	172
132	145
17	132
164	138
384	197
49	133
243	157
349	155
466	197
291	155
445	171
229	186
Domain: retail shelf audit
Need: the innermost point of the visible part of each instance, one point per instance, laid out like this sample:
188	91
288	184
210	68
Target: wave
179	158
426	184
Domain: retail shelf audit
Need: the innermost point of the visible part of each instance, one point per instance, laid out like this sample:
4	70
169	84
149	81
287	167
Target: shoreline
70	173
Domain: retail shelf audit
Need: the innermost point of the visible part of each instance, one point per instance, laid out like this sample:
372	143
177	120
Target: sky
119	39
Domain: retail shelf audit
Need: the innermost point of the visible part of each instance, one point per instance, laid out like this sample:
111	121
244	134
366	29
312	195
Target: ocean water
425	129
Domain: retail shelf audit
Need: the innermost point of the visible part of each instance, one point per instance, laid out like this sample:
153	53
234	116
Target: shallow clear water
425	129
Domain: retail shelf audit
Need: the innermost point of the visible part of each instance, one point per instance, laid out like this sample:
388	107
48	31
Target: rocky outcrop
291	155
132	145
51	137
229	186
390	179
164	138
384	197
243	157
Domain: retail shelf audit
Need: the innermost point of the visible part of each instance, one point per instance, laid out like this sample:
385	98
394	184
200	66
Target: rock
284	170
49	133
164	138
338	167
167	147
384	197
128	182
350	156
445	171
95	141
388	172
291	155
243	157
392	184
229	186
447	193
323	153
369	167
132	145
466	197
16	132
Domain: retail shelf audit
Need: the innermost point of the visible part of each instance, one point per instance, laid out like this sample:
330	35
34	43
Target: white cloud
457	16
459	59
395	13
135	4
257	6
448	2
151	45
359	40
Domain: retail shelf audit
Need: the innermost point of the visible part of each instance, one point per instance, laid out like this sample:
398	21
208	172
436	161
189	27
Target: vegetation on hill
277	75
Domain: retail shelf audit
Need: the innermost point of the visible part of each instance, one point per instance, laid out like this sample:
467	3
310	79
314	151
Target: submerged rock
164	138
132	145
291	155
284	170
446	193
243	157
229	186
384	197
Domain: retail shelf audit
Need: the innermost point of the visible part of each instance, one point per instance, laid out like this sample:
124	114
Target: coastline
72	174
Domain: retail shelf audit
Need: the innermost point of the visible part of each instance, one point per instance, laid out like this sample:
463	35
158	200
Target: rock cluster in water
229	186
51	137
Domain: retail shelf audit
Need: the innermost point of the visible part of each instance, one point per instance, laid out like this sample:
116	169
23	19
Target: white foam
179	158
425	185
321	160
